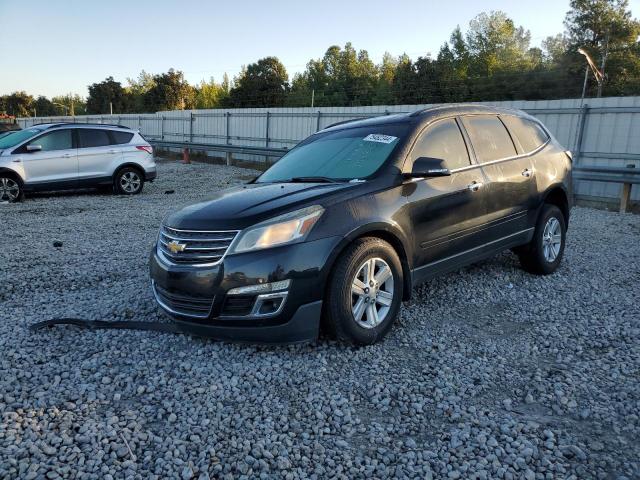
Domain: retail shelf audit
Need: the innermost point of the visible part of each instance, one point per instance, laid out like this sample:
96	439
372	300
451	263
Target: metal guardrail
230	149
627	176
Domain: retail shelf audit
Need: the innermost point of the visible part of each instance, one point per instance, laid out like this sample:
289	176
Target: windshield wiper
312	180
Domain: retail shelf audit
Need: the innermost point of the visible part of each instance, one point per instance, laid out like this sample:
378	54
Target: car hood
246	205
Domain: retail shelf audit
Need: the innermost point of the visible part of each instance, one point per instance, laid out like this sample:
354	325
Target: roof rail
59	124
348	121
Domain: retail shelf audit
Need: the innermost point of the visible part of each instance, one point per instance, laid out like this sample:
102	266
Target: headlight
288	228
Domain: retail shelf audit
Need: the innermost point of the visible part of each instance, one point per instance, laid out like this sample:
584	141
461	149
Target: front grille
238	305
181	304
194	246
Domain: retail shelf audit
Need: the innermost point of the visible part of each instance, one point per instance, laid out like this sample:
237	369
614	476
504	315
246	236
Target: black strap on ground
108	325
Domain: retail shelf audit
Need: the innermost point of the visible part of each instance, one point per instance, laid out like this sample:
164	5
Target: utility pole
313	94
604	62
110	108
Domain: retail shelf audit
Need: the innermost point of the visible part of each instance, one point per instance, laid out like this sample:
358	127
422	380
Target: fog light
260	288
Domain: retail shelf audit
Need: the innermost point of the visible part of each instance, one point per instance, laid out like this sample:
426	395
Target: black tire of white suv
128	181
10	188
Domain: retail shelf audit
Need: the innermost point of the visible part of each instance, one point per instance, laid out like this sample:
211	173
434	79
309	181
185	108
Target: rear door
511	189
447	212
96	155
54	165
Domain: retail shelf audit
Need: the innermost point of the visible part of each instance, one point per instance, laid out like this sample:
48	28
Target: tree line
491	60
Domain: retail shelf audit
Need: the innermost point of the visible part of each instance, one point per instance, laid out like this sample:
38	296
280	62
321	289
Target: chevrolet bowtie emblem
175	247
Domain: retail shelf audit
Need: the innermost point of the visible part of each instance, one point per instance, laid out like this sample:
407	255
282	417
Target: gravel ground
491	372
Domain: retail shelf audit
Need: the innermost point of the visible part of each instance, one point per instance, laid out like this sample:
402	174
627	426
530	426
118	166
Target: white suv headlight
288	228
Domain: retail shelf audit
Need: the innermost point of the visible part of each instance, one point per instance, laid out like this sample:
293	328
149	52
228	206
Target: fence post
318	121
625	194
582	120
162	127
228	116
266	135
191	119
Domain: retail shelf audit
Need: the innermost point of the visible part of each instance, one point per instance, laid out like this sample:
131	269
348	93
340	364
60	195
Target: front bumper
196	296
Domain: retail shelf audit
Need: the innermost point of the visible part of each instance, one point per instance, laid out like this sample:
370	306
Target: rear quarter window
527	132
121	137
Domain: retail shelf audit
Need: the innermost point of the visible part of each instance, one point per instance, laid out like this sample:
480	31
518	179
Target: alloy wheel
551	239
9	190
372	293
130	182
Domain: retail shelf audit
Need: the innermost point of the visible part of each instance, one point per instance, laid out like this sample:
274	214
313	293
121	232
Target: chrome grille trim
201	247
183	305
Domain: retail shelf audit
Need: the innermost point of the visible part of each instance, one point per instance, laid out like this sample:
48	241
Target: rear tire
366	277
128	181
543	254
10	188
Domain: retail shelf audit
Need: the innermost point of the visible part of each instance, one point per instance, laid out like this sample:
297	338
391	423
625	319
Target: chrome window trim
506	159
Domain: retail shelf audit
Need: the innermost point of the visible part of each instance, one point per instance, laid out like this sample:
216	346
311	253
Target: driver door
55	162
447	212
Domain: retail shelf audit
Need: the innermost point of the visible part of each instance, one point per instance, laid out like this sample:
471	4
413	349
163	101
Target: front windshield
18	137
340	155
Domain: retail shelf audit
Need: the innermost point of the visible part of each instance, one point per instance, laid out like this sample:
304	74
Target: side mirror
34	148
425	167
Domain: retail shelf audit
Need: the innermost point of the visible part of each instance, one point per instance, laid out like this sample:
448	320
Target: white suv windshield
340	155
18	137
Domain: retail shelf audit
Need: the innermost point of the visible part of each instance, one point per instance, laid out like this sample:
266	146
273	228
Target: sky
57	47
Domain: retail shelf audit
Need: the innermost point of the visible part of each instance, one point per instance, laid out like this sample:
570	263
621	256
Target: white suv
57	156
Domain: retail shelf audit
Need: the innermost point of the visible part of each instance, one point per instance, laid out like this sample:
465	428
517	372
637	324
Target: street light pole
596	73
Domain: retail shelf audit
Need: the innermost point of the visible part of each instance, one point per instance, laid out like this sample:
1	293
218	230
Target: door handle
66	155
475	186
17	160
527	173
113	151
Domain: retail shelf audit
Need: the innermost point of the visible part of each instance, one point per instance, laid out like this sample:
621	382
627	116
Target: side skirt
459	260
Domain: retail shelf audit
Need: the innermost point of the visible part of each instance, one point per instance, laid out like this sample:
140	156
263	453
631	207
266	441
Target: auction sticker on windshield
380	138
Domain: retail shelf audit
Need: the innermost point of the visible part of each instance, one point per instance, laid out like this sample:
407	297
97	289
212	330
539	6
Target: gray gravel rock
490	373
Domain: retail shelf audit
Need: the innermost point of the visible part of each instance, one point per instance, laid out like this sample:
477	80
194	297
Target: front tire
128	181
543	254
364	293
10	189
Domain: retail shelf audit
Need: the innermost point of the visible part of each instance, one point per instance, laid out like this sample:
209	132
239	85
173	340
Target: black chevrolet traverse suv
338	231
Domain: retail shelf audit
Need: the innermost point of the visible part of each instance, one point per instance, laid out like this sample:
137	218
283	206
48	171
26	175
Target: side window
120	137
529	133
443	140
489	138
92	137
56	140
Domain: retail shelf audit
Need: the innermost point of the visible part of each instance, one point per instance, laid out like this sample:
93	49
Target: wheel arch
558	196
137	166
13	174
390	234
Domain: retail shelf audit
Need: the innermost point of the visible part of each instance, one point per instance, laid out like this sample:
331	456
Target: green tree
261	84
136	90
70	104
43	107
18	104
170	91
606	29
107	95
210	94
